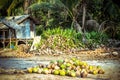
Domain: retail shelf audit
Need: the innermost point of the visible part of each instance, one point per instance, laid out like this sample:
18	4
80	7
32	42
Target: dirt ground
112	71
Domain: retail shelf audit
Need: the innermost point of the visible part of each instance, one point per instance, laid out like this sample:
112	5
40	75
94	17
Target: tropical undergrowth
63	39
95	39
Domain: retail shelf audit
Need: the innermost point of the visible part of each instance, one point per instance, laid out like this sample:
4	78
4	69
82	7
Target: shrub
60	39
68	38
95	38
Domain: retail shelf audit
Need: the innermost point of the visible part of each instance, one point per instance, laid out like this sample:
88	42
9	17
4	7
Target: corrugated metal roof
11	24
2	26
12	21
17	19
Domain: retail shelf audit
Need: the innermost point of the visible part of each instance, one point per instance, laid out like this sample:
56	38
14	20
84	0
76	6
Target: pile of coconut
69	67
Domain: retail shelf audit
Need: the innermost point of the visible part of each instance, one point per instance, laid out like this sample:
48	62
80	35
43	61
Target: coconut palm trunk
83	18
26	5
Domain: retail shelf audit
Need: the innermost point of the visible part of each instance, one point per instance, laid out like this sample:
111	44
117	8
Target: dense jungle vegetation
69	23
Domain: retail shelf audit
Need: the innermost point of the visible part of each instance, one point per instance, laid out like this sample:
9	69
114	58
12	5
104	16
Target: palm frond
13	5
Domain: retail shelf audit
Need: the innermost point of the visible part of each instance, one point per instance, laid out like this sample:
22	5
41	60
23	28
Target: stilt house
16	29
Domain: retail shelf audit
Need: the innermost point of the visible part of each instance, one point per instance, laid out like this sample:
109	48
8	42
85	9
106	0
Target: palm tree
84	5
73	8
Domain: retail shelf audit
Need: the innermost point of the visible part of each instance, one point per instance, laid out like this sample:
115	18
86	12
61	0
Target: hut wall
24	32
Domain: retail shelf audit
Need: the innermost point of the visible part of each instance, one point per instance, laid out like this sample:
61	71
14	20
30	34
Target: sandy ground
49	77
112	71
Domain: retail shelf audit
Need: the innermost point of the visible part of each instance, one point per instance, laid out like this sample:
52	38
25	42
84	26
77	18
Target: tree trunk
84	15
49	13
83	22
26	5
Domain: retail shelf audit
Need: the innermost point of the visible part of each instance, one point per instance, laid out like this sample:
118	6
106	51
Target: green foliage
19	11
11	7
111	10
117	32
49	13
56	12
102	10
62	13
41	6
39	29
58	31
12	46
15	47
60	39
95	38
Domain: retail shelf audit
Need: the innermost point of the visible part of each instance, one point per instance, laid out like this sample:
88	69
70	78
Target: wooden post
10	37
3	39
16	41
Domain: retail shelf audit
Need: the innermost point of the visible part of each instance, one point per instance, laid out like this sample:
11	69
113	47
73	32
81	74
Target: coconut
77	68
69	68
56	67
62	66
50	71
77	73
40	70
68	64
73	67
29	70
62	73
53	66
45	71
101	71
35	69
83	73
49	66
56	72
83	67
67	72
72	74
77	62
95	72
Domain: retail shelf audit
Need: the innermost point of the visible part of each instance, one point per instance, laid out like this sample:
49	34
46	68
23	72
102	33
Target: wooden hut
16	29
